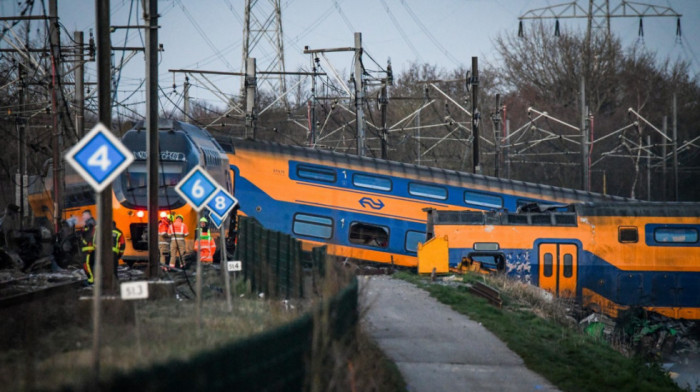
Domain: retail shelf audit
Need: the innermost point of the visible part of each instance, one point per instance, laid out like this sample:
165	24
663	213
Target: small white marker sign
134	290
234	266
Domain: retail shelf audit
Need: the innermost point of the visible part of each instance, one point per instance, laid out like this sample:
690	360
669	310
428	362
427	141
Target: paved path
436	348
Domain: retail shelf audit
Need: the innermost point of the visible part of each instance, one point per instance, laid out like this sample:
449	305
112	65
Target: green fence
272	261
275	360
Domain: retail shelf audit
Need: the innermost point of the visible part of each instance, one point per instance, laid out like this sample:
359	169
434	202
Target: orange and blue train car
609	256
182	146
365	208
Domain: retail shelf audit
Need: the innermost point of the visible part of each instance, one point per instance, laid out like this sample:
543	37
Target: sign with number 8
222	203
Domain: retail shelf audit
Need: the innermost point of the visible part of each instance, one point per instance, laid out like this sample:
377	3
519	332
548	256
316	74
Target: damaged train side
609	256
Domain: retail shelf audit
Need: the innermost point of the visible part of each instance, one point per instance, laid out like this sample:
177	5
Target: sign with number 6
197	188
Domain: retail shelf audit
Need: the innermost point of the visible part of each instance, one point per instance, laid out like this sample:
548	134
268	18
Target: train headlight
139	213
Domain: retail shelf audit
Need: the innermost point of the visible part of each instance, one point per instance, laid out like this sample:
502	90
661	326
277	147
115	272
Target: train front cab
182	147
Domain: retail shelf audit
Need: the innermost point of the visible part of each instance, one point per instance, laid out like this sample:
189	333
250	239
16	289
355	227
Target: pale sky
446	33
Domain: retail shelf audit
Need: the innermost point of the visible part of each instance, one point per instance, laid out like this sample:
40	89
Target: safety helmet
180	216
203	219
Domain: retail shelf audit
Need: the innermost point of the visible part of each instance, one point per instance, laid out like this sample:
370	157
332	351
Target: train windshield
169	175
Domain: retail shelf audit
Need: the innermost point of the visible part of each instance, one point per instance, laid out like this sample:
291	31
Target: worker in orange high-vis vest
163	236
178	231
205	244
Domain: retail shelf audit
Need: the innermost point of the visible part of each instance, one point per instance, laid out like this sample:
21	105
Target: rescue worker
178	231
10	228
118	246
87	241
163	236
205	244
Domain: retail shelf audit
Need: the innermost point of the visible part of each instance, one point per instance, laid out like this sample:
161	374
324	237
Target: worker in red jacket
178	231
163	236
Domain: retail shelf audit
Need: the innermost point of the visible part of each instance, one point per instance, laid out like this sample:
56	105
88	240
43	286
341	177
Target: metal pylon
263	40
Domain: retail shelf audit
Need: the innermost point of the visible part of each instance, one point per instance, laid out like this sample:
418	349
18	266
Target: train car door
558	265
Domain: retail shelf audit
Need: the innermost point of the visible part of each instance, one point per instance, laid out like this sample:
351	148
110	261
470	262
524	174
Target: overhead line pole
675	148
250	90
56	134
151	19
359	96
476	168
79	85
21	119
104	198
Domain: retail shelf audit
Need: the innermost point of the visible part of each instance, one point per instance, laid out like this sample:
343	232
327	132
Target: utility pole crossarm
633	8
558	11
573	10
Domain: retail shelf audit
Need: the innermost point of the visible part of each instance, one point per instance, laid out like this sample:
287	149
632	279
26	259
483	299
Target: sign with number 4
99	157
234	266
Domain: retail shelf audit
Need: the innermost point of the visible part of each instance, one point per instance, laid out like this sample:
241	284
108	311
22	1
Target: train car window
316	173
429	191
568	265
565	219
413	238
483	199
548	265
369	235
684	235
627	234
517	219
371	182
170	174
490	261
541	219
313	226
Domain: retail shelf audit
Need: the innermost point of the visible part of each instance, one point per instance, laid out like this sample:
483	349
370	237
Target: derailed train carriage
609	256
365	208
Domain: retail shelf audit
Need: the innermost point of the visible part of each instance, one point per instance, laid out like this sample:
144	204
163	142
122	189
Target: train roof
231	144
199	136
553	217
638	208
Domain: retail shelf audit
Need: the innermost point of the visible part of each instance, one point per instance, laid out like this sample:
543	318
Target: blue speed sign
197	187
99	157
221	203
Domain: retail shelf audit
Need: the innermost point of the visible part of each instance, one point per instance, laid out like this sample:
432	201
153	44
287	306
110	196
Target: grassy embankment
549	343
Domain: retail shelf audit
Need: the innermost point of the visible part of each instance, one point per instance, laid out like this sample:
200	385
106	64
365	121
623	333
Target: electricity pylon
263	40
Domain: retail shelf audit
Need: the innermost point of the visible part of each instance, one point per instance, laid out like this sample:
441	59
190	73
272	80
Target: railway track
32	288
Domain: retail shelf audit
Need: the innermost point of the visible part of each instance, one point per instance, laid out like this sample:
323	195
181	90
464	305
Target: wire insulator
520	29
556	28
641	28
